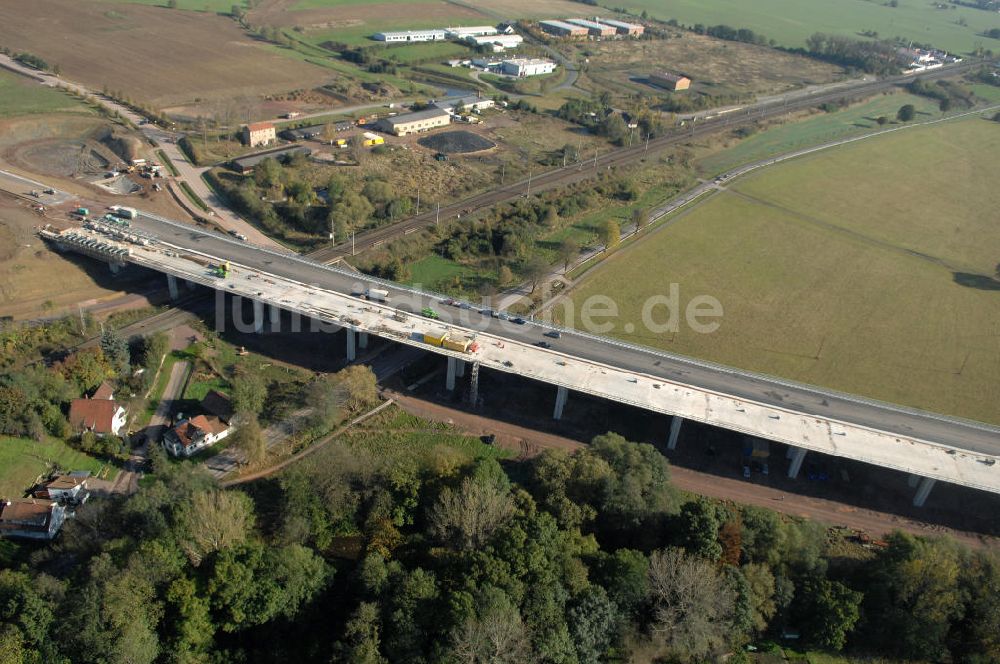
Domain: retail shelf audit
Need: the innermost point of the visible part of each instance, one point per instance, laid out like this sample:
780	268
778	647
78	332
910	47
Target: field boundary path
309	450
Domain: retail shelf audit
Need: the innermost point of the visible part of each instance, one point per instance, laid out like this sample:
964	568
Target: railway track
614	158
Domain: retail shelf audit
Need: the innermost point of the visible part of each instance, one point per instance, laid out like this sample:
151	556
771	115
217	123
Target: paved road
161	418
761	389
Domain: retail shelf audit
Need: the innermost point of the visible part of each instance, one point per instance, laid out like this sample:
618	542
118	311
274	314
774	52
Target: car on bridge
429	313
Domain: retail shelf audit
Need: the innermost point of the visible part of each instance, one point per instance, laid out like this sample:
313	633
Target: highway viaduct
930	447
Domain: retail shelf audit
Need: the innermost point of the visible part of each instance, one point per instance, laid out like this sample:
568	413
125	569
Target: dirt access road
526	443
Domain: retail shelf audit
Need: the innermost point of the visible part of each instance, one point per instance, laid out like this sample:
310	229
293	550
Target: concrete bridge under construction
929	446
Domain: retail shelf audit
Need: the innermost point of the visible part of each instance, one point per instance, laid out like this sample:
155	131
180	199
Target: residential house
64	489
258	134
101	416
190	436
31	518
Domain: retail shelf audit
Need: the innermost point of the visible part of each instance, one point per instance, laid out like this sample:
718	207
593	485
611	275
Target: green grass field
214	6
394	433
842	269
434	271
790	22
821	128
22	96
23	460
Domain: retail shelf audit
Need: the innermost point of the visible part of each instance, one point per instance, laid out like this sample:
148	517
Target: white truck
377	295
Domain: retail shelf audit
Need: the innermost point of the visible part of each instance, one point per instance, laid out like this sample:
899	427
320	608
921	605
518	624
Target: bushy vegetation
503	240
584	557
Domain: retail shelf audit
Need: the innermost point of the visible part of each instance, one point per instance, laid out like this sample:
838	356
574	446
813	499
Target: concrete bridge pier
258	316
924	490
675	430
460	368
362	340
274	317
913	480
474	385
190	284
449	381
172	286
116	267
562	396
797	455
352	352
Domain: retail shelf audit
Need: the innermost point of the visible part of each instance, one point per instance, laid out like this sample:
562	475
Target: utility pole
437	217
503	172
527	194
352	243
647	143
595	158
418	201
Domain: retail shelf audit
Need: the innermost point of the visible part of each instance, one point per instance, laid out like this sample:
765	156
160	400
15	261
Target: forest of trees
576	558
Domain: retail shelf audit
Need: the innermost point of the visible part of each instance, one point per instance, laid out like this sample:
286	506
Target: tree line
576	558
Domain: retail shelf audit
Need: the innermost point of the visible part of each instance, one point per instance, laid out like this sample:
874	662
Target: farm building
669	81
562	29
411	123
314	131
410	36
498	42
474	103
245	165
522	67
624	29
259	133
474	31
594	29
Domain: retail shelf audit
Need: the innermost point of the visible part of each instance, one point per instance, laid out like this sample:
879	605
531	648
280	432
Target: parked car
553	334
543	344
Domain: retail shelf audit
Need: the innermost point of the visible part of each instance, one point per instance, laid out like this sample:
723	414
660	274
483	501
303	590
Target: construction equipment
221	271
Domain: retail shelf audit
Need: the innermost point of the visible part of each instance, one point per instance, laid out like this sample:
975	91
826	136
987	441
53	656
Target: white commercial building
521	67
410	36
499	42
473	31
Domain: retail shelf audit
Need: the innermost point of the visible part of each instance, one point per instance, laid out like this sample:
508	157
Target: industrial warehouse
598	28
